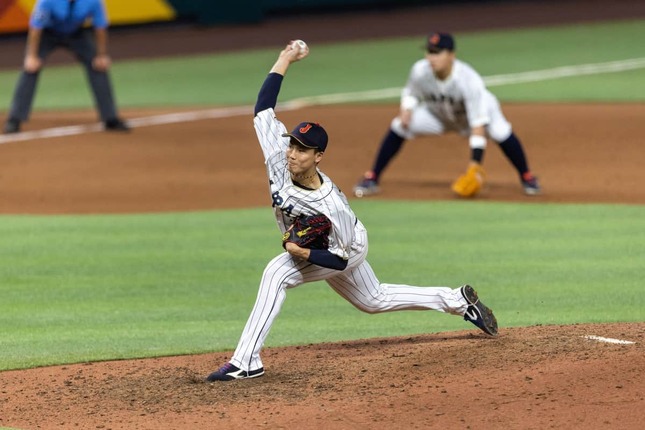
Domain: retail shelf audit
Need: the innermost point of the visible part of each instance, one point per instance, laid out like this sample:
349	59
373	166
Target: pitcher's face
301	160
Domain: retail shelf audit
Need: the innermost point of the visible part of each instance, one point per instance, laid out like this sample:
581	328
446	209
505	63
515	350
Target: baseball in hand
301	46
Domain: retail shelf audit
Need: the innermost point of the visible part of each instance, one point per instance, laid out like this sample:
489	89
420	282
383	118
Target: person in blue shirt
62	23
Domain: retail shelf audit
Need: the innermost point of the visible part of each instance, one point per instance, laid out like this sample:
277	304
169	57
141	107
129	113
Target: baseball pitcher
321	236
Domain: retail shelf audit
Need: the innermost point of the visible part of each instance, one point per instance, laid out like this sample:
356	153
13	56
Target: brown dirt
529	378
582	153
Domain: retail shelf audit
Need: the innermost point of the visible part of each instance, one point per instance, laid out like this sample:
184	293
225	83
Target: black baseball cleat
116	124
12	126
229	372
478	313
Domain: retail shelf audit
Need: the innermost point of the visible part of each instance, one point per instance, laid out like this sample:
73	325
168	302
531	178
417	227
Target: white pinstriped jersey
356	282
290	200
459	101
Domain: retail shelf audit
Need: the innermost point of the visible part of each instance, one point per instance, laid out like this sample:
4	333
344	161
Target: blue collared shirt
64	16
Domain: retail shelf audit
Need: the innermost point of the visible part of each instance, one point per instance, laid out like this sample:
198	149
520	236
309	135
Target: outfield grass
233	78
84	288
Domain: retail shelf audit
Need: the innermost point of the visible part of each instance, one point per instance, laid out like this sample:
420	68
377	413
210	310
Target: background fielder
298	188
444	94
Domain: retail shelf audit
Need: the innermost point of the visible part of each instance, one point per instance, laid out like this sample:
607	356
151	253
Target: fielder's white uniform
458	103
357	283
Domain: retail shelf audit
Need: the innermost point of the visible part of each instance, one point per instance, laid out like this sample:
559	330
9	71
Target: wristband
477	141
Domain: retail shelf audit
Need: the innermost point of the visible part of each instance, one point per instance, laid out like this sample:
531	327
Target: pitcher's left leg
362	288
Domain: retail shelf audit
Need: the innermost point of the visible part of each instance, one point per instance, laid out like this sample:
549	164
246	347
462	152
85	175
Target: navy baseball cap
309	135
437	42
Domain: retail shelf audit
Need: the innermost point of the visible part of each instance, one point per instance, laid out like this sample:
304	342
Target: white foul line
566	71
609	340
299	103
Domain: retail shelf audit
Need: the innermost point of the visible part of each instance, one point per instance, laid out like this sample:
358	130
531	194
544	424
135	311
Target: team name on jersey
442	98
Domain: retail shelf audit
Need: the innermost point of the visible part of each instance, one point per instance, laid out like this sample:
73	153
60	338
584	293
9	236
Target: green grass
627	86
86	288
233	78
510	51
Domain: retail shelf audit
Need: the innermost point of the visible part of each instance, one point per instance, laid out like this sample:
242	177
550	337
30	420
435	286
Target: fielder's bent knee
397	127
500	131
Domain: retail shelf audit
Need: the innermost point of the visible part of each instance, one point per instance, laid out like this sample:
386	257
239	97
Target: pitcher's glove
469	184
309	232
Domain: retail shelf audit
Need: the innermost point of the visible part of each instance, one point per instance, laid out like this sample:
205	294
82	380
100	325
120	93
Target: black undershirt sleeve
324	258
268	96
477	154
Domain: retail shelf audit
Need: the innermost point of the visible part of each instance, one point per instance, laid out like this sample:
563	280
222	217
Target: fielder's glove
309	232
469	184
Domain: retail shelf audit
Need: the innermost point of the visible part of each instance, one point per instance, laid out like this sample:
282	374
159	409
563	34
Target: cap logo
435	38
305	129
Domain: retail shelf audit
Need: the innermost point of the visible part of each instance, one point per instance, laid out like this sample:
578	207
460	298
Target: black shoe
367	186
478	313
116	124
530	184
12	126
229	372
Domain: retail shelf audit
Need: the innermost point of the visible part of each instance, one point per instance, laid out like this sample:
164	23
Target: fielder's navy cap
309	135
440	41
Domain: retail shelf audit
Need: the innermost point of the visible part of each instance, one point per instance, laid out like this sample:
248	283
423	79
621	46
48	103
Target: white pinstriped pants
357	284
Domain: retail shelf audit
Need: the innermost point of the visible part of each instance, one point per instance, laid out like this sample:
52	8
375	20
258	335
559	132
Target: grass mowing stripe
82	288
